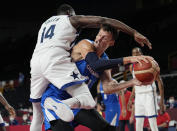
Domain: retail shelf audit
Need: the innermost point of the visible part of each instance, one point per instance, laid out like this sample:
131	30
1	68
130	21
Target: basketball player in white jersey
146	100
9	108
51	62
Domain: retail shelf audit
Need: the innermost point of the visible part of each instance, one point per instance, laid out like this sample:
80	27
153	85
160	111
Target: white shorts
48	68
1	121
146	105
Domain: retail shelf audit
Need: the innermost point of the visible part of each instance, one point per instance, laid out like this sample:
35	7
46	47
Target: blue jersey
112	110
93	76
60	94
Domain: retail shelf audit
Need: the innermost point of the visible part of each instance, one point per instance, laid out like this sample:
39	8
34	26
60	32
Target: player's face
104	39
136	52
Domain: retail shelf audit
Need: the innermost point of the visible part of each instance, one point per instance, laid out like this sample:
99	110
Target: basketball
146	72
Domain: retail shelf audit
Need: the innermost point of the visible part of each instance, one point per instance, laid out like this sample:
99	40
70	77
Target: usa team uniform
59	94
51	61
145	101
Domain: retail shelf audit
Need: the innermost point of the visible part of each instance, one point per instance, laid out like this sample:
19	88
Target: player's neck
100	51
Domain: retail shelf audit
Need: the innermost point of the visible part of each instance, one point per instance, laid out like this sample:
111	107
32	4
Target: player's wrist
131	83
126	60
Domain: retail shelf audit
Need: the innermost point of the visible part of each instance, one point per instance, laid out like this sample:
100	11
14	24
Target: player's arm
87	51
163	125
6	105
81	49
131	68
112	86
131	119
161	90
96	21
122	96
132	96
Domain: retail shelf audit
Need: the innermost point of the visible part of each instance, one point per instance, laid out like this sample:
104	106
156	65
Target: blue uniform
59	94
112	110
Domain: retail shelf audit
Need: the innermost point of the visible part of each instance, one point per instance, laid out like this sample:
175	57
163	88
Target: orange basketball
147	72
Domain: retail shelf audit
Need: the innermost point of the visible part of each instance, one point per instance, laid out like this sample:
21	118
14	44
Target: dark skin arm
129	105
80	21
122	96
161	90
8	107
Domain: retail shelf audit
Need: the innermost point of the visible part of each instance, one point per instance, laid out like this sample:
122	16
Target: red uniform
160	120
163	118
127	96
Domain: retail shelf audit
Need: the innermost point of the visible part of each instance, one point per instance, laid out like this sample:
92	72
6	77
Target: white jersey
1	121
57	31
51	61
144	88
145	100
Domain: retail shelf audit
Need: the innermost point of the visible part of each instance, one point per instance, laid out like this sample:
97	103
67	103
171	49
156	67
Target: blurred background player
9	108
146	99
51	63
111	105
126	114
163	120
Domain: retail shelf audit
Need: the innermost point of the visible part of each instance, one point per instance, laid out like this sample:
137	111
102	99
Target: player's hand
10	110
129	106
136	82
142	40
137	59
131	120
124	113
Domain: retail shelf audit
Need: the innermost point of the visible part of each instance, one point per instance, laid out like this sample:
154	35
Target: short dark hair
64	8
110	29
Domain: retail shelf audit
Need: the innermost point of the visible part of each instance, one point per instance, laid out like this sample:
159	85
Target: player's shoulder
85	44
54	18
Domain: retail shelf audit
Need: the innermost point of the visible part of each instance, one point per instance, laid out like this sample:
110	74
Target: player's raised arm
95	22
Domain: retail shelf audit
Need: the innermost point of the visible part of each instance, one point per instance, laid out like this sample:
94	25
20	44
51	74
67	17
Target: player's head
137	51
65	9
106	36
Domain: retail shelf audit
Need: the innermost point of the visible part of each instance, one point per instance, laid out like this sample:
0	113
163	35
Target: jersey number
48	34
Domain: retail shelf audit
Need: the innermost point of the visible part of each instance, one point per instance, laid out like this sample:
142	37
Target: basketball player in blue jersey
146	99
51	61
112	105
105	38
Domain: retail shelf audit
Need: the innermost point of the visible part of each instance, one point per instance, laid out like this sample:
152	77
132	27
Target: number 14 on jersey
48	34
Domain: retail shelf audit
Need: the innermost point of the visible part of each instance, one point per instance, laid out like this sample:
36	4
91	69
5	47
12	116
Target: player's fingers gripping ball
147	72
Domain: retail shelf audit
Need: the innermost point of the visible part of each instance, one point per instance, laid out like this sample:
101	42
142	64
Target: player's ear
112	43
